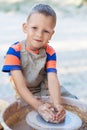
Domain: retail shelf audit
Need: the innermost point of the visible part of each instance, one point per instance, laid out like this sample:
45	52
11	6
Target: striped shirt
12	59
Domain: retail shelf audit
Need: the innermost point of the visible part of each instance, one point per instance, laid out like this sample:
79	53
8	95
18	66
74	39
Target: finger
47	113
60	117
59	120
49	109
60	113
60	110
47	116
52	115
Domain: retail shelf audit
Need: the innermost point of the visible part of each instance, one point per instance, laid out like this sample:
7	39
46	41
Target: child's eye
34	27
46	31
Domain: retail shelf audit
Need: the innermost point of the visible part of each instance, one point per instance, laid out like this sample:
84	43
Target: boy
32	64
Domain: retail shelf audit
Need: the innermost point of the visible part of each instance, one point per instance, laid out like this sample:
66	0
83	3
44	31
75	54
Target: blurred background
69	40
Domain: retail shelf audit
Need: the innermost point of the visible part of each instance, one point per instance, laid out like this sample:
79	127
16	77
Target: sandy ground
69	41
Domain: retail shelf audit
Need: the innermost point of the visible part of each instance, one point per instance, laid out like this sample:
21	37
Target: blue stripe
49	57
51	70
8	68
16	43
11	51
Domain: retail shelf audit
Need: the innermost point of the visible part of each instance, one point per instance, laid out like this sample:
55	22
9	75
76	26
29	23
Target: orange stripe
50	50
17	47
11	60
51	64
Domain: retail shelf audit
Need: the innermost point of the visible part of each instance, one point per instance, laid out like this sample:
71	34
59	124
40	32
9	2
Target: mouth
37	40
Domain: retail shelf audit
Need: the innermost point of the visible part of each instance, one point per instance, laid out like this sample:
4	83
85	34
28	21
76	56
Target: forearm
23	90
29	98
54	88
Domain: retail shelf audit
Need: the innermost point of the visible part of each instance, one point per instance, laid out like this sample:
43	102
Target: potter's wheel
72	122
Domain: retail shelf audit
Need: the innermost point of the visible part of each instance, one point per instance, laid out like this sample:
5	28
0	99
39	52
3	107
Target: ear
24	27
52	32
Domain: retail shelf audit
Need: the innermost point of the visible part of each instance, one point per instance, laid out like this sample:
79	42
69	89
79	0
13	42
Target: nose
39	33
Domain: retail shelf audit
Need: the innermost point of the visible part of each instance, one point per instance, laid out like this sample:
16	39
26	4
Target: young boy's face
39	30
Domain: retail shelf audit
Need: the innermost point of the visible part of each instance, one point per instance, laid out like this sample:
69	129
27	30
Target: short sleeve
51	60
12	58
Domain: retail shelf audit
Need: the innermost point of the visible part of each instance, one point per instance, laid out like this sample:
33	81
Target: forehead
39	18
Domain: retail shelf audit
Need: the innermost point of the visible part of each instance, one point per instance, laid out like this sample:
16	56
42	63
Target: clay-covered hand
60	113
45	112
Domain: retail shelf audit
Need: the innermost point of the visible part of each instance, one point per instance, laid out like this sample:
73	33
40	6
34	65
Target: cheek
30	32
48	38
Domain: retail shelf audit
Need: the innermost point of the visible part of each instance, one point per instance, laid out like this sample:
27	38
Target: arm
53	83
54	88
38	105
23	90
55	96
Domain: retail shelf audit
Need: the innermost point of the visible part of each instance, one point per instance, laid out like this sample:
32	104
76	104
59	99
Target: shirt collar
33	51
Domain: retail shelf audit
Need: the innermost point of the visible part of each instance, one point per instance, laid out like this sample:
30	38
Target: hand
46	113
60	113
